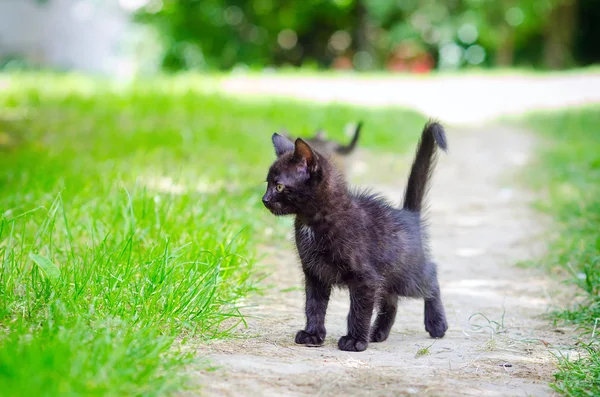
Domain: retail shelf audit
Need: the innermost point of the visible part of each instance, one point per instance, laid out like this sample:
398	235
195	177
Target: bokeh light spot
233	15
287	39
468	33
340	41
514	16
475	54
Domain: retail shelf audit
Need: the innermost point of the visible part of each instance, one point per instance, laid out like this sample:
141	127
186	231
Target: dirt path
481	226
458	99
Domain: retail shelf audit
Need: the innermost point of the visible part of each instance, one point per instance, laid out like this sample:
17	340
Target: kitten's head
293	178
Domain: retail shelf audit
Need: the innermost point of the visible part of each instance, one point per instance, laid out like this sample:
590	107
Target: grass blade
50	270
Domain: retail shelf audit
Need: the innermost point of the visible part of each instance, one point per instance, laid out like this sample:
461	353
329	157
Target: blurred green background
131	227
396	35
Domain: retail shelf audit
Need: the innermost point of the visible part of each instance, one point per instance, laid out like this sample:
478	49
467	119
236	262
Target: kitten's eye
279	187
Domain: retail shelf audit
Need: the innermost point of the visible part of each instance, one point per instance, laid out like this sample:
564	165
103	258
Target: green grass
569	176
130	217
424	351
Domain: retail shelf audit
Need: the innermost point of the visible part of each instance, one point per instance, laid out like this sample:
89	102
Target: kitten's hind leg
362	301
435	315
386	315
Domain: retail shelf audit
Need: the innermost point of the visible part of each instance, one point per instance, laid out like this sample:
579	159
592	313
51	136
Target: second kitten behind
338	153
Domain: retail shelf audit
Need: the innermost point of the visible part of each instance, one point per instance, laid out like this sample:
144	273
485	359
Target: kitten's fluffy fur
358	241
335	152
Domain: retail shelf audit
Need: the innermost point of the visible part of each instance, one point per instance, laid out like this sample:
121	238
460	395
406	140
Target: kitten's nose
266	199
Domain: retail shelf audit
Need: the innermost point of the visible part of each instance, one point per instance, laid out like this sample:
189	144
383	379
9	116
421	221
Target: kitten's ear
305	154
282	145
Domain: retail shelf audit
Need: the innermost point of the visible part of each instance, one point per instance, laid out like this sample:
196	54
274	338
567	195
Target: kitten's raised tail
348	149
422	167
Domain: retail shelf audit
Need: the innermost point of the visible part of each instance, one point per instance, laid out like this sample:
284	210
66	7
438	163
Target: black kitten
357	240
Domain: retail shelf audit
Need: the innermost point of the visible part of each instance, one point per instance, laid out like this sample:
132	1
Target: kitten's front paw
350	344
305	338
436	327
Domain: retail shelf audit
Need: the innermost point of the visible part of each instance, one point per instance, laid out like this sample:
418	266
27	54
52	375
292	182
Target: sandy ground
459	99
481	225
